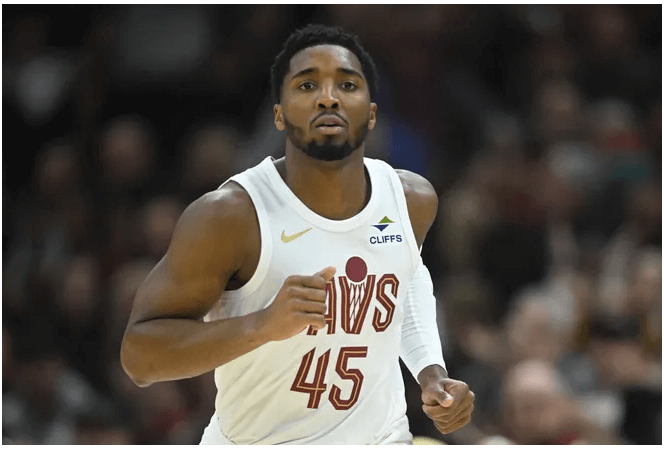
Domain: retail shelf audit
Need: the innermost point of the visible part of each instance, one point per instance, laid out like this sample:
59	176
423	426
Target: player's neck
335	190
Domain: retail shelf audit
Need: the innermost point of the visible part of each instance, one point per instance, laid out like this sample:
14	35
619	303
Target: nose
327	99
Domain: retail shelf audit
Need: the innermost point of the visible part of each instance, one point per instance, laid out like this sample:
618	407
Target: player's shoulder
420	193
229	200
219	212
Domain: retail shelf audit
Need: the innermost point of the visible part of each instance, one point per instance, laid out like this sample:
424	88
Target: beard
328	150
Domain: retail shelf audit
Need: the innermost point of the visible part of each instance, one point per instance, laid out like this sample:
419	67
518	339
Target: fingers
447	401
454	426
308	306
304	297
327	273
317	321
313	281
438	412
459	391
451	419
466	412
317	295
307	300
316	281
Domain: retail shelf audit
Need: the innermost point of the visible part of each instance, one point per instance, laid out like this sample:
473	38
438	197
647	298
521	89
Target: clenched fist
449	403
300	303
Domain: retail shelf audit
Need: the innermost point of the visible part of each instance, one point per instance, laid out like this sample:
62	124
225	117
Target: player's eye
307	86
349	86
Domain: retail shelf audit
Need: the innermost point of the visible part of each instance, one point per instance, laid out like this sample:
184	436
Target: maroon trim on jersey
318	386
355	375
363	307
387	279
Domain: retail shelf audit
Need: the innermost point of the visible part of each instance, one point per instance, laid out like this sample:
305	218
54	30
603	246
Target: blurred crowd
538	125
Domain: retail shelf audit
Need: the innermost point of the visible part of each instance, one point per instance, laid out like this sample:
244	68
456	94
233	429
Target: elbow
140	383
131	365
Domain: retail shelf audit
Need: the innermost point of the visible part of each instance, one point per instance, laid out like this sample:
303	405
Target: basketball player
300	281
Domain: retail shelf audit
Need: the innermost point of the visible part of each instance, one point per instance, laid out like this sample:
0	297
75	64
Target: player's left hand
449	403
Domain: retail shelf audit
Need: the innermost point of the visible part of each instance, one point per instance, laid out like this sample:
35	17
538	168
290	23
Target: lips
328	120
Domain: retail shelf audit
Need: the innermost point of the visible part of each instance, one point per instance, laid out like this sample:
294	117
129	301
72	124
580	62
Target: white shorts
212	434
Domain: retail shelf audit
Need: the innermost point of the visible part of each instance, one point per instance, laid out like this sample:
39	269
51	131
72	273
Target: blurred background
540	127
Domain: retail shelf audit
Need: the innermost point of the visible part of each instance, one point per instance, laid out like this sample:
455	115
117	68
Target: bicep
205	250
165	293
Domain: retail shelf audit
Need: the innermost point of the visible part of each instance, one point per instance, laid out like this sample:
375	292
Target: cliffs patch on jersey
385	238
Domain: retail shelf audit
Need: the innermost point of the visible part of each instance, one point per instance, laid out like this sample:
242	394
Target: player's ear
372	116
279	118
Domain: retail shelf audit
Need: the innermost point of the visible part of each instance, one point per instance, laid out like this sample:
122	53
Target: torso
252	242
260	399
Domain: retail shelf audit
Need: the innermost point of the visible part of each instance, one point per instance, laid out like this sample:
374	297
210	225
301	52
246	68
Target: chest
376	247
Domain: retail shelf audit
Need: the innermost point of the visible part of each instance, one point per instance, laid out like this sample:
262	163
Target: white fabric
400	435
256	402
212	434
420	341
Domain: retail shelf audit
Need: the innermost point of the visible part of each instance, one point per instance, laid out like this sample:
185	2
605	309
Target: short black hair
313	35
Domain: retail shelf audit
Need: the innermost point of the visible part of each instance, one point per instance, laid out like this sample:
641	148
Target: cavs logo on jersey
384	238
355	291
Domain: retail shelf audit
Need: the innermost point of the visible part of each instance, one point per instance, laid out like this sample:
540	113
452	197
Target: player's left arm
449	403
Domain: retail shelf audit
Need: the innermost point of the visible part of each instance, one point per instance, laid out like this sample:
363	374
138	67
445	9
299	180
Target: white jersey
341	384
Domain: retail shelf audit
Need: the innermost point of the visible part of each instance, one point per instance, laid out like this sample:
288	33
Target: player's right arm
166	338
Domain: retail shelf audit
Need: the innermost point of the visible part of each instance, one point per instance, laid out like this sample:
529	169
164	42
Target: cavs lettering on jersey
341	384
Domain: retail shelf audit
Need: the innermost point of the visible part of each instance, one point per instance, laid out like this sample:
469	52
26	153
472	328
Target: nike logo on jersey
286	239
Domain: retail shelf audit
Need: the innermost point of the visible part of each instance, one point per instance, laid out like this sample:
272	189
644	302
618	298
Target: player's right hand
300	303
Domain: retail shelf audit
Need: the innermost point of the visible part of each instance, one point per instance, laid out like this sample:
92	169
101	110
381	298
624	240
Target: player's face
325	104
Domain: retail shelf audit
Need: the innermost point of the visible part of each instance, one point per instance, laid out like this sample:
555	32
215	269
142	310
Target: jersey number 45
317	387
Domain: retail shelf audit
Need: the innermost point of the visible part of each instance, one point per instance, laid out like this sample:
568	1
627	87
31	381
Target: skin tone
166	338
325	80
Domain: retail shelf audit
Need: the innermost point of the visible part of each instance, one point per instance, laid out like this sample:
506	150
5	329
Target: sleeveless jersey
341	384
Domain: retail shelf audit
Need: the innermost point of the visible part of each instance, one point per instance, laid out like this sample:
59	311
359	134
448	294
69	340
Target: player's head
323	82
